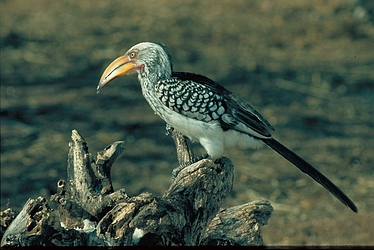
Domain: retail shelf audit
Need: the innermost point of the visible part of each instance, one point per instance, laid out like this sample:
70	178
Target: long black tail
311	171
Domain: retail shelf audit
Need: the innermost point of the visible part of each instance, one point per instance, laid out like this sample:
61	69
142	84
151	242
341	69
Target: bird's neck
148	80
151	74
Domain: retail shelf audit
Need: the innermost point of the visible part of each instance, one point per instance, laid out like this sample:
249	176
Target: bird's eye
132	54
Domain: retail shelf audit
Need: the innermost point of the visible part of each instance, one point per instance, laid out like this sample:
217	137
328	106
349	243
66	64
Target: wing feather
238	114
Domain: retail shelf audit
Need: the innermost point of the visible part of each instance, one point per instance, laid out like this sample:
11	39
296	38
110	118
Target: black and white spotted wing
191	99
198	97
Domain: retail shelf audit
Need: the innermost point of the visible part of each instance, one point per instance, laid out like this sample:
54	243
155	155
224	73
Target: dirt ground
307	66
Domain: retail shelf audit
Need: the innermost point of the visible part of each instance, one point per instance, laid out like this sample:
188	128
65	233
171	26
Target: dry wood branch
32	226
180	216
92	213
184	152
88	193
240	225
6	217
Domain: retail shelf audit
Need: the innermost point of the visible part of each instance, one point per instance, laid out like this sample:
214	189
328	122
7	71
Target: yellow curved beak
119	67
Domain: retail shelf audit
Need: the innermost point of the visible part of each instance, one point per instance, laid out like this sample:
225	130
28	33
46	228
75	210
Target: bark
91	213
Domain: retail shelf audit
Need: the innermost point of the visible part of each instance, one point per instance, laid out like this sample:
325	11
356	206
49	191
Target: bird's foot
183	165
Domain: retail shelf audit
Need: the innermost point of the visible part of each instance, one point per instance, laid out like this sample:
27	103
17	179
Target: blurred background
307	66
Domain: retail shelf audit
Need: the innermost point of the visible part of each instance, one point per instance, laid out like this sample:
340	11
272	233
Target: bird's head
149	60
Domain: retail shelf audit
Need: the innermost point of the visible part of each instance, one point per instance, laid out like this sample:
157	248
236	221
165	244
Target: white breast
210	135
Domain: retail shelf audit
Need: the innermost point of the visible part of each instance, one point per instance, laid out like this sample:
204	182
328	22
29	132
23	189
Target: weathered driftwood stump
91	213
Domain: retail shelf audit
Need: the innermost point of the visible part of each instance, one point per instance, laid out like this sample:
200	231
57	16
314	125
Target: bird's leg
185	164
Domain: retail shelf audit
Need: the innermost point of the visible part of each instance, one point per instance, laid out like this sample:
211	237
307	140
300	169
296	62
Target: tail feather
311	171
